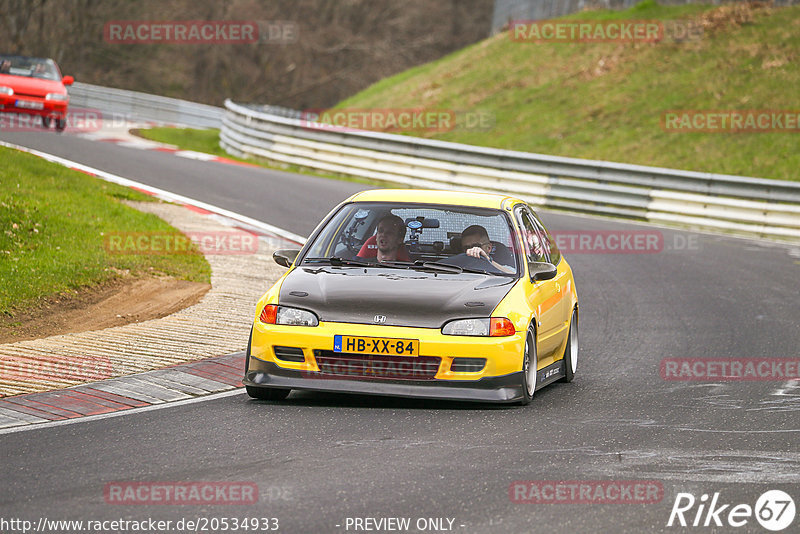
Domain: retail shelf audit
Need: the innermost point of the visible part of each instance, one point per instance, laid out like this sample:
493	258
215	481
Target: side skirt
553	372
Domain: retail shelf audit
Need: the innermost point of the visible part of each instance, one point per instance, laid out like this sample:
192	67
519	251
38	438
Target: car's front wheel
271	394
571	351
530	362
61	124
46	122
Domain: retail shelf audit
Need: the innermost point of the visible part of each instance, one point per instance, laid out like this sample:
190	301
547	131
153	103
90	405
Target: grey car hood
404	297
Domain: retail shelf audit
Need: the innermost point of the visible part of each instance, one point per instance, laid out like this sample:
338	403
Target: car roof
430	196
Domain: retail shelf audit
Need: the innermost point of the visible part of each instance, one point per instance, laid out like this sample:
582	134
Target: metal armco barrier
715	202
122	105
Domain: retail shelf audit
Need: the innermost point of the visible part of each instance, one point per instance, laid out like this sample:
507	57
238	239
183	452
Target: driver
475	242
387	243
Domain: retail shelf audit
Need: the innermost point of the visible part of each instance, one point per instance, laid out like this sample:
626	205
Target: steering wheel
470	262
349	238
353	244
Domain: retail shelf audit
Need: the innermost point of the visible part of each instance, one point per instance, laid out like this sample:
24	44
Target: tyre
270	394
571	350
247	354
46	122
530	362
61	124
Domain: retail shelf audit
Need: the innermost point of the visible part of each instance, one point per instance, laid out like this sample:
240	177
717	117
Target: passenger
476	243
387	243
5	66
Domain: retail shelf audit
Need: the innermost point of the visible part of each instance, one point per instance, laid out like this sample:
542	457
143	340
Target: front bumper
500	389
433	374
56	109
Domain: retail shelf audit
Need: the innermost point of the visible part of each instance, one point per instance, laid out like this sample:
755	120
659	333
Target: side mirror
541	270
67	80
285	257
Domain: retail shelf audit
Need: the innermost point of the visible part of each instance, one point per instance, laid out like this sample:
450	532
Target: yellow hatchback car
412	293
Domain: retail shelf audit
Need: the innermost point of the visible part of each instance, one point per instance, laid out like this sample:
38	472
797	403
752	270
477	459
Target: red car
34	86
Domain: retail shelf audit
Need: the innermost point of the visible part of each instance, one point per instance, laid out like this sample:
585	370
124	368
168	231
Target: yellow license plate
376	345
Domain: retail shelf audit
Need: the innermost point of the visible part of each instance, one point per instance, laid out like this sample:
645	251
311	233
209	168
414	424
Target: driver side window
532	237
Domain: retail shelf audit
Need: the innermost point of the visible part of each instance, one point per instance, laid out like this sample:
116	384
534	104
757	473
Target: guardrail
722	203
132	105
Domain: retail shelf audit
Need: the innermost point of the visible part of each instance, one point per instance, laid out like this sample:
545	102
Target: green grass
645	10
207	141
53	222
605	101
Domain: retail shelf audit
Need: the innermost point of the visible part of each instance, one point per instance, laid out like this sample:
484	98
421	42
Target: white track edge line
165	195
161	193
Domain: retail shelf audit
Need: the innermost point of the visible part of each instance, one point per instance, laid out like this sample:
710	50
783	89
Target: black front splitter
500	389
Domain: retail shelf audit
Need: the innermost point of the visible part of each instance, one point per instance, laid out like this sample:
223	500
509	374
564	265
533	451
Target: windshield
417	236
31	67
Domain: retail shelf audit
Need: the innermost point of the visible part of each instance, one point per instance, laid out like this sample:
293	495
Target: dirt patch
115	303
733	15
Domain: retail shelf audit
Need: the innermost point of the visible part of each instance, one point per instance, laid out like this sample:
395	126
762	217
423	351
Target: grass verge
53	222
198	140
606	101
207	141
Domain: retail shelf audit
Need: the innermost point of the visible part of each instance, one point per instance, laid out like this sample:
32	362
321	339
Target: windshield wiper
396	263
490	273
479	271
420	264
445	267
336	260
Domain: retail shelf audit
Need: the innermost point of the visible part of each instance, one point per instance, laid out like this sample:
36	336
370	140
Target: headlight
489	326
467	327
57	96
293	316
6	90
272	314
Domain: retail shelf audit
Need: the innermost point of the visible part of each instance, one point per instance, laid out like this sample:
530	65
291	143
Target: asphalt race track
319	459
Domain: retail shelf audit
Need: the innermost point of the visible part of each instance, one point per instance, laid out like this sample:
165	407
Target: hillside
607	100
335	48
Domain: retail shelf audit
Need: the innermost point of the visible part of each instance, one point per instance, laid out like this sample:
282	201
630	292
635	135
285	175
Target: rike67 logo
774	510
